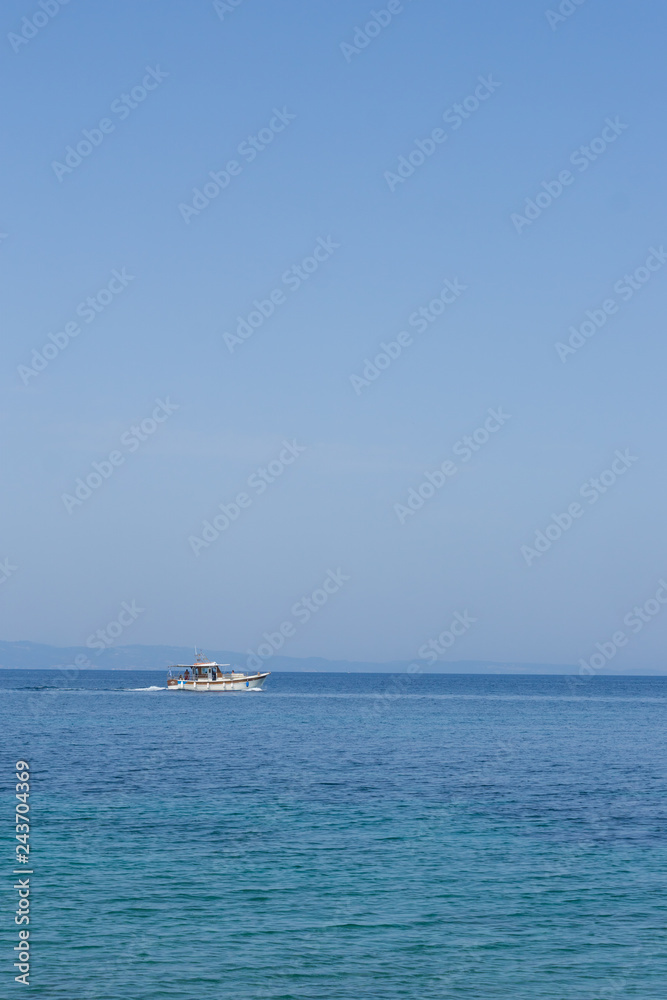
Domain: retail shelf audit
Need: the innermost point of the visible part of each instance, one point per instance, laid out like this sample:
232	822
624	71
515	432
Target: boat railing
200	674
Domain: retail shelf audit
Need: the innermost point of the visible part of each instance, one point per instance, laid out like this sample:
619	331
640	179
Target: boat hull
220	686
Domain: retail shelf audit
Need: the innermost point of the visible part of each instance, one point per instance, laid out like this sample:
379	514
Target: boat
209	676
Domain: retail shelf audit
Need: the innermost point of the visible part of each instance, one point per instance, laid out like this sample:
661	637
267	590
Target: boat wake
151	688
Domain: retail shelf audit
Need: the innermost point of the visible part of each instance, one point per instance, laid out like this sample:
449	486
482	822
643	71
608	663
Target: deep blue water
341	836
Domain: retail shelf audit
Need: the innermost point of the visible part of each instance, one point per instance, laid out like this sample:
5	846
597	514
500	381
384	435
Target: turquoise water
341	836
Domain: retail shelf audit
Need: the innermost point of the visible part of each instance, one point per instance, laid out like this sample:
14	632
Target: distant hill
35	655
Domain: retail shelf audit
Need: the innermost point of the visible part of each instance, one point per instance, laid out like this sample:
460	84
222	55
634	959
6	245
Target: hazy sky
363	174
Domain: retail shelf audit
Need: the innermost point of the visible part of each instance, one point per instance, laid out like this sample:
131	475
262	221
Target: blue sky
339	123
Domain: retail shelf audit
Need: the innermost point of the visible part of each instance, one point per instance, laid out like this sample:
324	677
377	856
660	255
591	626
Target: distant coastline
39	656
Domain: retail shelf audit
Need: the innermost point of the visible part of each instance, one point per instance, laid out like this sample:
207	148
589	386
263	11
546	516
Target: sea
339	837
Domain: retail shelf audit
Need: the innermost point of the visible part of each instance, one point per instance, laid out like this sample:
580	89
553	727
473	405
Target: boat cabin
201	671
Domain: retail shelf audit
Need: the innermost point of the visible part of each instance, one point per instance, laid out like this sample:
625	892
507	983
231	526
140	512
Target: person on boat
187	675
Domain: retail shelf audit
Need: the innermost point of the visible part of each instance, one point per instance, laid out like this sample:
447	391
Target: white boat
209	676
